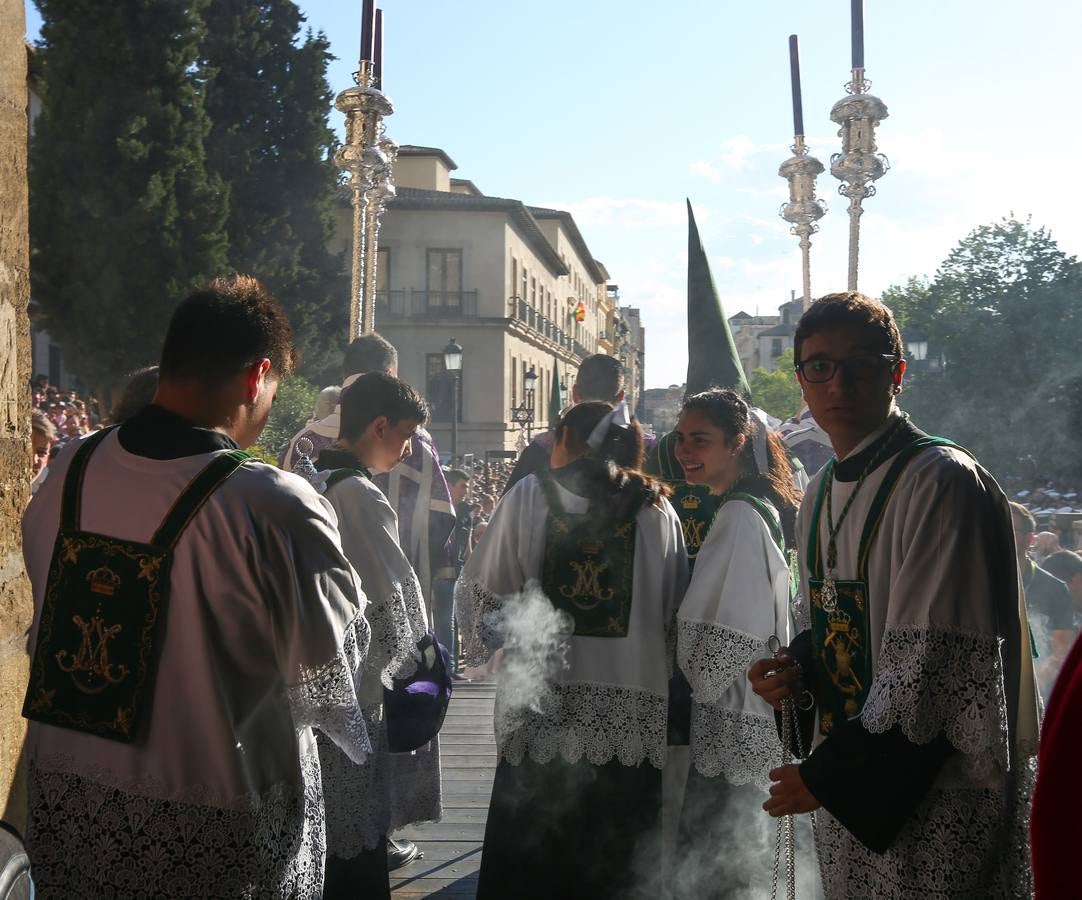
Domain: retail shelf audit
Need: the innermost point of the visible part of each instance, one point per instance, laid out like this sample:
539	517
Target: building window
533	293
775	348
523	294
444	279
514	382
438	388
514	276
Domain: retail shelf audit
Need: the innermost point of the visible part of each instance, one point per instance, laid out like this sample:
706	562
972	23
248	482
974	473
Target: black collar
337	458
158	433
890	442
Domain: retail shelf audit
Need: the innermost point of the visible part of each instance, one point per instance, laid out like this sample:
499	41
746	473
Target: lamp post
452	362
529	381
563	392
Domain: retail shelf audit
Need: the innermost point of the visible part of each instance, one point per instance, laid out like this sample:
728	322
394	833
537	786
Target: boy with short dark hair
379	415
917	655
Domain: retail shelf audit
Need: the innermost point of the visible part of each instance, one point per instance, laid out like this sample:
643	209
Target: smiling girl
737	599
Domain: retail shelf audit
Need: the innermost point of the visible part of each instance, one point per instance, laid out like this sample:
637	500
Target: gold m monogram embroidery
693	533
587	585
89	666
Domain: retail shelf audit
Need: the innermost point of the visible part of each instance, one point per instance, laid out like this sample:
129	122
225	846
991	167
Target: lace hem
597	721
398	623
713	657
114	843
930	680
357	797
478	613
740	745
416	788
325	698
966	844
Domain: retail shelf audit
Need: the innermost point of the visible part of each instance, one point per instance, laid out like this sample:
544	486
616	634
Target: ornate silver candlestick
858	165
803	209
364	156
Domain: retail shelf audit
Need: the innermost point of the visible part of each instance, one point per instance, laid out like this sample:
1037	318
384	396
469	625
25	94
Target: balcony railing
426	304
532	318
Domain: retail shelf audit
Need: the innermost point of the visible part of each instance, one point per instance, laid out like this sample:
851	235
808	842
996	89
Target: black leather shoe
401	852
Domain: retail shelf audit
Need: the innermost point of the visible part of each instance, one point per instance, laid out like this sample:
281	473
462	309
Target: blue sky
619	109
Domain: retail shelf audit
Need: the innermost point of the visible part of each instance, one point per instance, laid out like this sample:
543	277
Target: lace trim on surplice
960	844
596	722
930	680
89	838
737	744
325	698
478	612
713	657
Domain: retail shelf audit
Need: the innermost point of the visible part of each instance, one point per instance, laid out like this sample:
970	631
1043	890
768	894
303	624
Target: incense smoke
536	638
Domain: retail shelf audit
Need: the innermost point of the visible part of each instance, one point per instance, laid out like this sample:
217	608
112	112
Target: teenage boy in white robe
218	795
918	657
379	417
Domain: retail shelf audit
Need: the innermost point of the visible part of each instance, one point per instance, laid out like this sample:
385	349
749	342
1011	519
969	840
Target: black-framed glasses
860	367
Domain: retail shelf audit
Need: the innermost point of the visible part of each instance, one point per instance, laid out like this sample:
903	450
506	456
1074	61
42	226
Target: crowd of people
239	671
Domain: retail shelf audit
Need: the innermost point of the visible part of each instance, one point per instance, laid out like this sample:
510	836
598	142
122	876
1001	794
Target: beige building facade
506	280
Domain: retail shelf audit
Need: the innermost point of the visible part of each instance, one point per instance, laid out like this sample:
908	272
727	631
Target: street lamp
452	362
563	393
529	382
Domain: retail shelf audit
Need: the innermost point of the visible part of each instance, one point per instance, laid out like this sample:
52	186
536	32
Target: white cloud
736	154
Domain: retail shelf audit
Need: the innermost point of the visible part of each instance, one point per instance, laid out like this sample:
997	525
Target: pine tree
271	143
124	218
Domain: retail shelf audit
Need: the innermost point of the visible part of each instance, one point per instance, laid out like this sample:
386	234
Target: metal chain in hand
785	841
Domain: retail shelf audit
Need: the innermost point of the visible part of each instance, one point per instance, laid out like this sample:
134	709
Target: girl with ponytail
577	578
738	597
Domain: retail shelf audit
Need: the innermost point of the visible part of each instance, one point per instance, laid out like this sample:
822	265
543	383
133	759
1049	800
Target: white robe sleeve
323	635
395	610
952	618
499	568
738	598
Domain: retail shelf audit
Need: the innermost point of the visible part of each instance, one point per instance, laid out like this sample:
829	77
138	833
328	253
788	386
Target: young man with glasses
915	663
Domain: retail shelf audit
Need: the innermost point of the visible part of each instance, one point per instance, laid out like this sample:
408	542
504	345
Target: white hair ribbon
758	440
618	417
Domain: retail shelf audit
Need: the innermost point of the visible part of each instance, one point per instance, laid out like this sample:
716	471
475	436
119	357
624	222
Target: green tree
124	218
271	143
777	392
293	406
1004	315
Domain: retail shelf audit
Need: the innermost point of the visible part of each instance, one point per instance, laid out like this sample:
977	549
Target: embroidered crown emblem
691	502
103	581
590	548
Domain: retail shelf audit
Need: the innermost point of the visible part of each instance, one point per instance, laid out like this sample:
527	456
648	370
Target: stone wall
15	601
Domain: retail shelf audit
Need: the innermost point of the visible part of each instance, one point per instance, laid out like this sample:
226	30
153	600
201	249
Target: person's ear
256	374
737	444
896	375
575	393
380	425
618	398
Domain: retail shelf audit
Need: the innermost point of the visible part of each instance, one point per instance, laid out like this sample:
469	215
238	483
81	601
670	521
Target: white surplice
611	700
264	633
949	654
737	599
389	790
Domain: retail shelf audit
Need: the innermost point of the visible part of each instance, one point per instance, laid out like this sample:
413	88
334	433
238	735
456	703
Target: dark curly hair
849	308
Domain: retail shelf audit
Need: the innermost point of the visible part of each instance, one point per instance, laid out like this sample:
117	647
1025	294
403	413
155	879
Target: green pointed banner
712	356
556	406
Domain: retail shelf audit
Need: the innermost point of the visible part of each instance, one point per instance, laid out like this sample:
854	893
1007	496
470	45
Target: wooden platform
452	848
